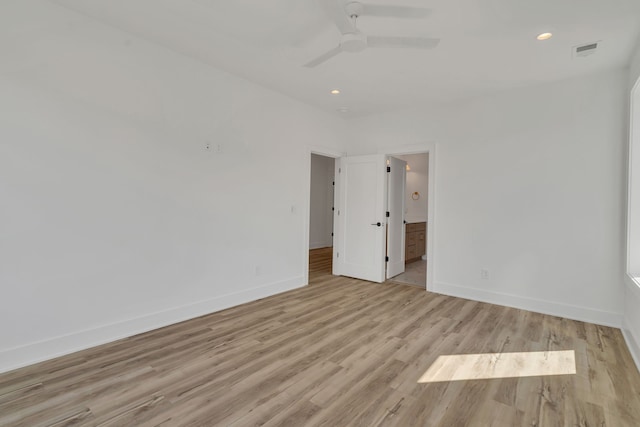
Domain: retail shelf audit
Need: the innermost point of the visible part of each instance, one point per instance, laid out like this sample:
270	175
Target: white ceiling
486	45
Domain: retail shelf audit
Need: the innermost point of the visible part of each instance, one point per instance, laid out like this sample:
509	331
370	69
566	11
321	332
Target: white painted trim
633	284
629	330
431	219
327	152
337	225
428	147
583	314
319	245
635	93
632	345
48	349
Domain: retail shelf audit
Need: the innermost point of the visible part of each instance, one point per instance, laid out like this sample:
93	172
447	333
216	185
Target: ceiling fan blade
324	57
396	11
335	10
409	42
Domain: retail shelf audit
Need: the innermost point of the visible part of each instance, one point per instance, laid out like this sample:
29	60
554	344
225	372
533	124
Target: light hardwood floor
338	352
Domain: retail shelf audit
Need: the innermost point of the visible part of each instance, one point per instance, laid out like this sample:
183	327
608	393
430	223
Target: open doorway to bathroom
416	217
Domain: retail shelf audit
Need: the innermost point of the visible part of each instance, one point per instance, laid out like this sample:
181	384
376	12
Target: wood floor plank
338	352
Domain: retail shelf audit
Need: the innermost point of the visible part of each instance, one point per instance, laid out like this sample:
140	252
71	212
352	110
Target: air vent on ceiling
585	50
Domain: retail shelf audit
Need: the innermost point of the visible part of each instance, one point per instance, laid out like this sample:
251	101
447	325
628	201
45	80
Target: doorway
321	214
416	217
360	224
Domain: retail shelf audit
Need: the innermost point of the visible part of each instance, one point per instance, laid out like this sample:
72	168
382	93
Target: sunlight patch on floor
500	365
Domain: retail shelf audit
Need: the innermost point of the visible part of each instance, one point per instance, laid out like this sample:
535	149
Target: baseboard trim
319	245
631	322
632	345
583	314
30	354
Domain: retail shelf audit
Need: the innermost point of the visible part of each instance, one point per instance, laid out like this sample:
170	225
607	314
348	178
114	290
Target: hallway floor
415	274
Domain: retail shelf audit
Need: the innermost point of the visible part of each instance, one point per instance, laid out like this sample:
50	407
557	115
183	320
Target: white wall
631	327
321	215
115	219
417	180
528	185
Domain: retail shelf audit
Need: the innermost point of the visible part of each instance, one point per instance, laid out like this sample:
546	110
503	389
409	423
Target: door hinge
339	170
337	254
386	259
333	183
387	214
388	168
332	208
331	234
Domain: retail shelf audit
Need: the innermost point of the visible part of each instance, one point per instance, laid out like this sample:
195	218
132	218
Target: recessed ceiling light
544	36
335	92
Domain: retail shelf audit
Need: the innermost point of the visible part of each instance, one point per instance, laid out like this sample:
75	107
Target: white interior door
395	221
359	249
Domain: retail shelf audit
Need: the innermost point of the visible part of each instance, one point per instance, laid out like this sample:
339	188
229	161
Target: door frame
321	151
425	148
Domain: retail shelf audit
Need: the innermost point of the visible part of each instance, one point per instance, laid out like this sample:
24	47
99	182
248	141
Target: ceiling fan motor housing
353	8
353	42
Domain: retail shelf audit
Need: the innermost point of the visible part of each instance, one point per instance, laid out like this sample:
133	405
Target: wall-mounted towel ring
415	195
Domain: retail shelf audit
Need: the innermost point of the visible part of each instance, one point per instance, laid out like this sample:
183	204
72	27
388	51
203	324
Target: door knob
378	224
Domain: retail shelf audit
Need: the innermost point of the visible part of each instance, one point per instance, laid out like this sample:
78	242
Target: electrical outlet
484	273
213	147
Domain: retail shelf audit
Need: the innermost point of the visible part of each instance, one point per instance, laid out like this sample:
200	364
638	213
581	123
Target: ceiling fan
345	16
